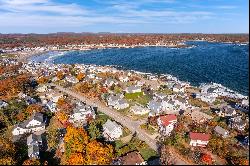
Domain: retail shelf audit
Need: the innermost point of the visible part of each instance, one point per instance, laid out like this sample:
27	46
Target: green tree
93	130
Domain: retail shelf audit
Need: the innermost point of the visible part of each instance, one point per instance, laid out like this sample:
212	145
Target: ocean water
206	62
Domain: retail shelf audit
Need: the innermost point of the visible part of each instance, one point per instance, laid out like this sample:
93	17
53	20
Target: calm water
222	63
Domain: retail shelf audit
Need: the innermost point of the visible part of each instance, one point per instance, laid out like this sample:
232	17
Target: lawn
133	96
148	128
147	153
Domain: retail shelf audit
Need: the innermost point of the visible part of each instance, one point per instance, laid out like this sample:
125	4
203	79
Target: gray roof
220	130
33	149
110	125
154	105
122	101
113	98
133	87
33	138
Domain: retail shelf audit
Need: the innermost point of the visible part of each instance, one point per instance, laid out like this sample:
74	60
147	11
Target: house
121	104
155	107
110	81
208	98
131	158
160	95
81	113
33	124
169	105
227	111
139	110
123	78
52	106
178	88
3	104
56	96
33	139
113	99
42	88
111	130
33	151
133	89
237	123
220	131
199	139
71	79
199	116
166	124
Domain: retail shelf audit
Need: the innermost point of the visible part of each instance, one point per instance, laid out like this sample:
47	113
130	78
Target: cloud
226	7
35	6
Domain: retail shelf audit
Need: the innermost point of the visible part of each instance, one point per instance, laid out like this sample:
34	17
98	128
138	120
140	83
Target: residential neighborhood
120	110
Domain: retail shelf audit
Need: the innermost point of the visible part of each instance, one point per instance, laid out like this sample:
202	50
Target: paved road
133	126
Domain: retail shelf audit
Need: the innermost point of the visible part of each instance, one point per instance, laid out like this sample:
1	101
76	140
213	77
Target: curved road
133	126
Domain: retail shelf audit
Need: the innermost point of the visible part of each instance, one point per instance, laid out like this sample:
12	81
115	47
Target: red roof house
199	139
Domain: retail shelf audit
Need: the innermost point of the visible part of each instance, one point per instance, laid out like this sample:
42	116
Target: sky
124	16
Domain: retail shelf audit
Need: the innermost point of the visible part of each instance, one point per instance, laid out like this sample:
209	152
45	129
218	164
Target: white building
111	130
199	139
166	124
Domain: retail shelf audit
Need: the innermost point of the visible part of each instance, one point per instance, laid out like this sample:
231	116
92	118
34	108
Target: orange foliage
33	108
60	75
80	76
12	86
98	154
76	139
206	159
76	159
31	162
42	80
62	116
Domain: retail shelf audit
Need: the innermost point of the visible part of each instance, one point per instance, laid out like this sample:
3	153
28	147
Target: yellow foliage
76	159
98	154
31	162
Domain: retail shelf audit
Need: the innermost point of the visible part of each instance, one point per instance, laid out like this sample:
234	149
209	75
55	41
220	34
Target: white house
51	106
121	104
110	81
166	124
56	96
199	139
123	78
71	79
223	132
139	110
111	130
178	88
42	88
155	107
133	89
81	113
35	123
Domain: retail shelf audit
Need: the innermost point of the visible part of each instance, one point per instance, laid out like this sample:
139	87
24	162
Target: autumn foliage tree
206	158
7	152
79	150
60	75
80	76
33	108
62	116
42	80
31	162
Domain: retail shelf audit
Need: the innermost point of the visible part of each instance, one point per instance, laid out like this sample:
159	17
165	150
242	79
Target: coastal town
90	114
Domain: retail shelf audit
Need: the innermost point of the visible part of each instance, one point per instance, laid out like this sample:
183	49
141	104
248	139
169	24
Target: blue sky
120	16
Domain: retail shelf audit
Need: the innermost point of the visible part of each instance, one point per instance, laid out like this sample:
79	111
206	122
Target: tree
62	116
31	162
93	131
42	80
80	76
206	158
32	109
98	154
7	152
76	159
75	139
60	75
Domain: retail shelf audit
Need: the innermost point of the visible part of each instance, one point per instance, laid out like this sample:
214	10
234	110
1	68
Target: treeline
32	40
